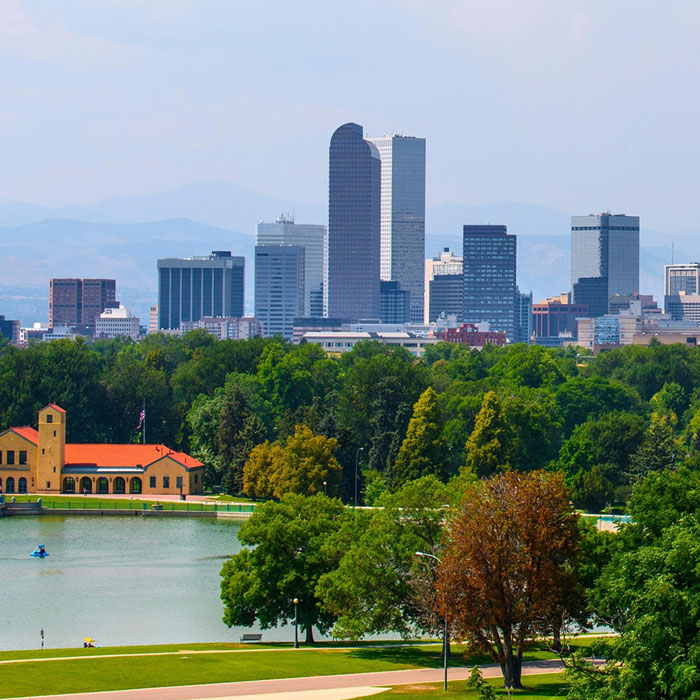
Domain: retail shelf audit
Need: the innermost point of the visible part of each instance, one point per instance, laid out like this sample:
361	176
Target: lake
120	580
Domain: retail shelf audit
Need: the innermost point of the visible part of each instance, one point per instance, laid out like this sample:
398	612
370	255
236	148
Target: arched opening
102	485
10	485
0	485
135	485
85	485
69	485
119	485
22	485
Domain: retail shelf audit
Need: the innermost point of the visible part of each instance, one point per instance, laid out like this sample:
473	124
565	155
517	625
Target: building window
166	482
10	456
48	484
196	478
49	418
23	456
22	485
152	481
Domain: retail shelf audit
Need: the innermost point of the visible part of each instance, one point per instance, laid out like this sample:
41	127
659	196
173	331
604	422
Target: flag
142	417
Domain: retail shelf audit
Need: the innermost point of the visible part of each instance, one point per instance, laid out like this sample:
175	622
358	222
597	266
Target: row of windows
10	485
10	457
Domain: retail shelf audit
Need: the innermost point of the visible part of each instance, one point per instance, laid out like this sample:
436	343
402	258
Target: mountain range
123	237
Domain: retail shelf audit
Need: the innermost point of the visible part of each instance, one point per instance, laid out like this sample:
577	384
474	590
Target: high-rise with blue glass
354	186
192	288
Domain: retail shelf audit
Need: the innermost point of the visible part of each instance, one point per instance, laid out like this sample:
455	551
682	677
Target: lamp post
324	489
296	625
357	457
445	632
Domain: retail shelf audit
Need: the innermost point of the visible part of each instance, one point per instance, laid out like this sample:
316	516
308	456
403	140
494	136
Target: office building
226	327
446	294
447	263
489	278
682	278
523	312
394	303
683	307
279	288
604	259
310	237
10	330
191	288
338	342
472	334
78	302
555	319
353	225
116	323
403	215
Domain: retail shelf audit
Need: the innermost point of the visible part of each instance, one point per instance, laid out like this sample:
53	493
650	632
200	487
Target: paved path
281	687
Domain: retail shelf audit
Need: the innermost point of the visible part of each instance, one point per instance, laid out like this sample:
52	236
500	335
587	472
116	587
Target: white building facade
115	323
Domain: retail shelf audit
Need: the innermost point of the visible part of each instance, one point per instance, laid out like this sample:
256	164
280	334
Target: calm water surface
120	580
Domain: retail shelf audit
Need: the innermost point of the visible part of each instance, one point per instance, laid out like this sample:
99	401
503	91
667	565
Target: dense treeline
604	421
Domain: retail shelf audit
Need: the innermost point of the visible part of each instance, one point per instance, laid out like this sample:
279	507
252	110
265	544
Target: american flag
142	418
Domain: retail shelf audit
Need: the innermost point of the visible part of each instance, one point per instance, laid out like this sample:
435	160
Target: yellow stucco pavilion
40	461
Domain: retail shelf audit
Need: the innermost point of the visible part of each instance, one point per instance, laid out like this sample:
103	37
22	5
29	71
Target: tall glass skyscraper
403	216
312	238
353	225
279	287
604	258
490	293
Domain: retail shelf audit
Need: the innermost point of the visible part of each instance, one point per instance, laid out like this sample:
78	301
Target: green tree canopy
490	447
283	558
424	450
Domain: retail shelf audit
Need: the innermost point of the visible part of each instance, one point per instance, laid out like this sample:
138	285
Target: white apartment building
115	323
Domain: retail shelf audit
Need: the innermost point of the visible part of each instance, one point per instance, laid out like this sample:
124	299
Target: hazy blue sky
578	105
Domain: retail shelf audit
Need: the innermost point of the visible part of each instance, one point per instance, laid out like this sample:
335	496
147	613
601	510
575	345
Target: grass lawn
184	668
539	687
95	502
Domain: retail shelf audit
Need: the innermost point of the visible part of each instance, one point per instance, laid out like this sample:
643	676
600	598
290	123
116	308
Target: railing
186	506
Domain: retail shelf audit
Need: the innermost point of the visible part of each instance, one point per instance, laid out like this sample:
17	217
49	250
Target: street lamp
357	457
324	489
444	634
296	625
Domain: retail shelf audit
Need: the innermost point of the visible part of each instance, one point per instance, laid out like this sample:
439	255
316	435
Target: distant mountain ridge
123	237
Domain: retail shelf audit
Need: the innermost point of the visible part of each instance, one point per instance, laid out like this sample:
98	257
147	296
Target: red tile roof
27	433
55	407
124	455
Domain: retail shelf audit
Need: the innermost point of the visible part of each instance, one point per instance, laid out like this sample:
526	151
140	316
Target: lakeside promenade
353	685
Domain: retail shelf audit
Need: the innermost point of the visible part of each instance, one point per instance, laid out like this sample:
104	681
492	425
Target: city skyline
534	144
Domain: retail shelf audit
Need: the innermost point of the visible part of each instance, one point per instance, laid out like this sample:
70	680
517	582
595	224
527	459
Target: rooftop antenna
673	251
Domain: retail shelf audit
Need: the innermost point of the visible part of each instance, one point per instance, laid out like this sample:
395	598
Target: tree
259	470
306	461
655	591
283	559
299	465
373	588
490	446
660	449
424	450
508	570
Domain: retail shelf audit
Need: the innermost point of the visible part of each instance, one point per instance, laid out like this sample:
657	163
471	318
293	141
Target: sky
579	105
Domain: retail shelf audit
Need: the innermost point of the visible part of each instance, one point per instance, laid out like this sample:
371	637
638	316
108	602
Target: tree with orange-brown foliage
507	571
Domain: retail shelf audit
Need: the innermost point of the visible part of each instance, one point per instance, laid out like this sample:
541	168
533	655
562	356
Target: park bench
251	637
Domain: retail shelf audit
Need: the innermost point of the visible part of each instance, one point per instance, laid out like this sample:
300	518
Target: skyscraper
279	288
604	258
312	238
489	278
684	277
78	302
207	285
445	264
403	215
353	225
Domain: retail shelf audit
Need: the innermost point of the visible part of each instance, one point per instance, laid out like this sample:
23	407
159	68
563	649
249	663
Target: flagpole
143	409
